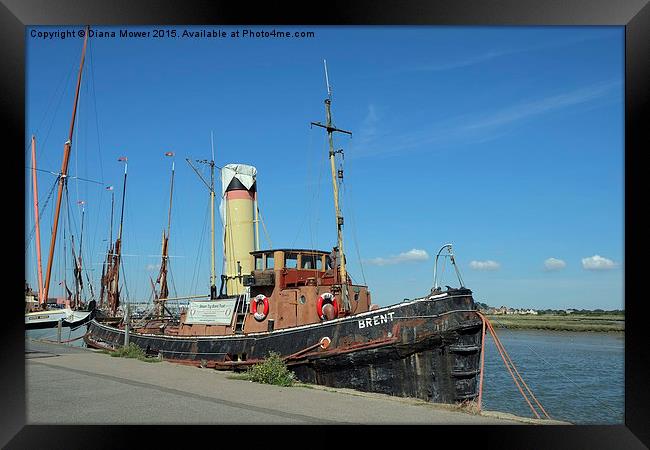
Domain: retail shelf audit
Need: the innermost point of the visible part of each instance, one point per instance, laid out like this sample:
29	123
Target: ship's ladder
241	309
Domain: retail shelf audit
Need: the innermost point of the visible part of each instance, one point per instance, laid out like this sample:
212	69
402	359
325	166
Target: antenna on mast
327	80
212	143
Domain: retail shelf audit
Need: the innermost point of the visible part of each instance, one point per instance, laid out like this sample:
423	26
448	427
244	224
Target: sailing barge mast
77	261
37	225
331	129
113	287
111	269
106	268
67	148
162	275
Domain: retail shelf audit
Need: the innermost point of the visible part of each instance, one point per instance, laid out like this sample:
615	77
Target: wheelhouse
294	283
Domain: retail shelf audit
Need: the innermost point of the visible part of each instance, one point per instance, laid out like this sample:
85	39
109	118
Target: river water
577	377
67	334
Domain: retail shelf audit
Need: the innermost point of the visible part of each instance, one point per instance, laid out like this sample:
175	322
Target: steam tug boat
303	305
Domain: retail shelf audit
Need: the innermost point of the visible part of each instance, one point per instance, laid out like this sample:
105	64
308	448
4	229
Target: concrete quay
99	389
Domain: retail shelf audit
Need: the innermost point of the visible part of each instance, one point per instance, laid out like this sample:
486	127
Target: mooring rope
511	366
517	372
562	373
64	341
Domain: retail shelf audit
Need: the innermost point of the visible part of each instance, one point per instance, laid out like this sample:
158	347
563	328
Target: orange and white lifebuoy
260	316
324	299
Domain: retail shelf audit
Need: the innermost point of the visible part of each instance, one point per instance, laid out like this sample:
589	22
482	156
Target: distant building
504	310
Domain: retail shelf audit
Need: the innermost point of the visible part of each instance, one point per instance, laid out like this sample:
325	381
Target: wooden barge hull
427	348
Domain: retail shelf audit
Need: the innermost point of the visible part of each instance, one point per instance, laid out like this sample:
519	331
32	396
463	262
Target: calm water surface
577	377
50	334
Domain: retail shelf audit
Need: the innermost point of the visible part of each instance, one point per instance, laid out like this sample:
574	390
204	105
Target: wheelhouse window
269	261
311	262
291	260
259	263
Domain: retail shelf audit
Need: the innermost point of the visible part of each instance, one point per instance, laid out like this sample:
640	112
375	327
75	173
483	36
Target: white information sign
213	312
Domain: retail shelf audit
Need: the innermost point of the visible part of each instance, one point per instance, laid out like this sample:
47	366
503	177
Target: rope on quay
510	366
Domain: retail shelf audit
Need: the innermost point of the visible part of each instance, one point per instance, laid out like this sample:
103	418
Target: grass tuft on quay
132	351
272	370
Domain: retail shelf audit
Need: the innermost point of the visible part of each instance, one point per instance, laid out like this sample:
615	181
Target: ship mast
213	277
106	268
162	276
111	270
41	300
114	291
331	129
64	172
213	274
78	261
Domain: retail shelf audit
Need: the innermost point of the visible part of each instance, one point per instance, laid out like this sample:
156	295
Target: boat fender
260	316
324	299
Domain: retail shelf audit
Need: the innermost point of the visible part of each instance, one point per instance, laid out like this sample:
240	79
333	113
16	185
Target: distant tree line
586	312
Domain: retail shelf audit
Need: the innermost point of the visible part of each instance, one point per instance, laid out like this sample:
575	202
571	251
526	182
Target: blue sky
507	142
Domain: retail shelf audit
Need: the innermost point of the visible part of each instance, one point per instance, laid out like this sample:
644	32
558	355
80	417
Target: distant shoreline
556	322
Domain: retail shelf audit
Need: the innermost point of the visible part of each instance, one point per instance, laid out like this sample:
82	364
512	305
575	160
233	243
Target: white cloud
598	262
472	128
484	265
492	54
469	61
554	264
152	267
521	111
412	255
369	131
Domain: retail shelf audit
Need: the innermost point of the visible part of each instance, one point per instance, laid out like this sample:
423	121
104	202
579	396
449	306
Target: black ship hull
427	348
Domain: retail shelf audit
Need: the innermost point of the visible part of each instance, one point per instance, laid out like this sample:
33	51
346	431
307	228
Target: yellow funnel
238	216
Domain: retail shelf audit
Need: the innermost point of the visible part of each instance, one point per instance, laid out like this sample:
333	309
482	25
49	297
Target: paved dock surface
95	388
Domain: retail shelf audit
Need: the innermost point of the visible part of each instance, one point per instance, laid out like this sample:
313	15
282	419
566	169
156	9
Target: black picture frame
634	15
